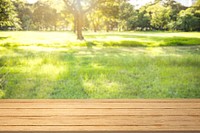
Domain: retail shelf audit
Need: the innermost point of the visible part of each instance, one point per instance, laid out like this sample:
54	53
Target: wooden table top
100	115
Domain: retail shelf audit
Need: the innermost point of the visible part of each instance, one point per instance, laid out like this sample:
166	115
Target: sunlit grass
68	39
46	67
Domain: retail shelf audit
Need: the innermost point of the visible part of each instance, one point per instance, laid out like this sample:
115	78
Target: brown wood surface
100	115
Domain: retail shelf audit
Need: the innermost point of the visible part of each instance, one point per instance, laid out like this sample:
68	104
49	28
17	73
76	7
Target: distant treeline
53	15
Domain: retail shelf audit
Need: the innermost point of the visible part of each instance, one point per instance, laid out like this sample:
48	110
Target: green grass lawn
106	65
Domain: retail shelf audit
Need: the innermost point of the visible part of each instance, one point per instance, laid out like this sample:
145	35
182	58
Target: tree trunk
75	26
95	27
79	26
79	21
107	27
75	22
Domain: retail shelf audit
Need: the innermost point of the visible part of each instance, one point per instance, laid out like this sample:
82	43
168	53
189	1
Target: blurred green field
107	65
126	39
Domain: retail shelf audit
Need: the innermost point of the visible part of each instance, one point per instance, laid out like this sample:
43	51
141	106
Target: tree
127	16
144	18
110	11
188	21
96	19
160	16
44	16
24	14
79	8
66	21
174	8
196	7
8	15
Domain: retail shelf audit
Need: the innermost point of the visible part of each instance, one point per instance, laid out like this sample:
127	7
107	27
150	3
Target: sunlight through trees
97	15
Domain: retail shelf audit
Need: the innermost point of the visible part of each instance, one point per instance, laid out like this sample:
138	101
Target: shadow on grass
70	85
3	38
91	72
123	43
142	40
43	75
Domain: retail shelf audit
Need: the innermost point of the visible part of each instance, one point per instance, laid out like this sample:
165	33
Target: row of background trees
98	15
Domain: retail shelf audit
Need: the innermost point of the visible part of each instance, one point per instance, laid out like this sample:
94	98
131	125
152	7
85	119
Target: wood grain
100	115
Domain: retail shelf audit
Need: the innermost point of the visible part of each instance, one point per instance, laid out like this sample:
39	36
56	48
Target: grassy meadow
49	65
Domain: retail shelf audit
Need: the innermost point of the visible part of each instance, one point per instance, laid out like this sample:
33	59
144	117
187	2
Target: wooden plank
98	112
100	101
103	121
94	105
100	115
147	129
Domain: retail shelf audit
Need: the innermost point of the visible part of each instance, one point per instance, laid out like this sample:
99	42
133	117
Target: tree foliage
97	15
79	8
126	12
24	14
160	16
8	15
44	16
